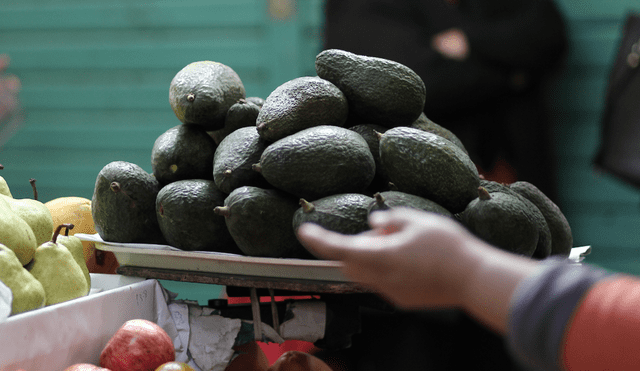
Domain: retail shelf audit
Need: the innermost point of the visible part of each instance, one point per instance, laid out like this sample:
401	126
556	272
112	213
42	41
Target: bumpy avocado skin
345	213
379	91
260	222
234	158
185	212
183	152
392	199
202	92
430	166
318	162
300	104
123	204
561	235
504	221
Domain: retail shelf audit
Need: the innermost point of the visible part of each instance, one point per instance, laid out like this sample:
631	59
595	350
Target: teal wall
96	76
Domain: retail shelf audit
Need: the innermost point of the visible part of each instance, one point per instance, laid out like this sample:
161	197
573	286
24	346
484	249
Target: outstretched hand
421	260
415	259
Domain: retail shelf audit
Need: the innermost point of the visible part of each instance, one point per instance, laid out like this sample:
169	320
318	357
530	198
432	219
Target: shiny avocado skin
379	91
123	204
345	213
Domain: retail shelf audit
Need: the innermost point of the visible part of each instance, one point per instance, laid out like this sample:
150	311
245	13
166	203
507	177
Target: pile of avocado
240	174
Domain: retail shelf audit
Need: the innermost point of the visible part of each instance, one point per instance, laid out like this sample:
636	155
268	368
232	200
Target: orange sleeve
604	333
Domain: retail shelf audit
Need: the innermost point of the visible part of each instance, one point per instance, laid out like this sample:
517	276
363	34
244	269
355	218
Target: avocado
391	199
185	212
430	166
545	239
371	134
123	205
300	104
234	158
345	213
183	152
561	235
202	92
241	114
424	123
260	222
258	101
318	162
379	91
503	220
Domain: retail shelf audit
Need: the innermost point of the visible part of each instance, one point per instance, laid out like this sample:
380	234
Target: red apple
139	345
85	367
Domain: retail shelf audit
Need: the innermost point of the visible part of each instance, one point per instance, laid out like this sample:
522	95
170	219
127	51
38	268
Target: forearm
491	282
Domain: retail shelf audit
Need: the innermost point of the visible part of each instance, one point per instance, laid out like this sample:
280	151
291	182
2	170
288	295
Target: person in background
554	315
10	116
484	64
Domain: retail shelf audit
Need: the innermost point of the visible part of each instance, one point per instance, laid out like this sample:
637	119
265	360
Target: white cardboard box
55	337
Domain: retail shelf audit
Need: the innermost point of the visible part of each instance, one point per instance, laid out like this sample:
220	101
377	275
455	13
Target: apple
85	367
139	345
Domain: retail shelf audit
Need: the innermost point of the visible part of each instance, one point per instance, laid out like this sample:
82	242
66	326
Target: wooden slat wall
603	211
96	75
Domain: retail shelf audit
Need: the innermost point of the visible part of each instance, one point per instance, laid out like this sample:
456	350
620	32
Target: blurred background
95	78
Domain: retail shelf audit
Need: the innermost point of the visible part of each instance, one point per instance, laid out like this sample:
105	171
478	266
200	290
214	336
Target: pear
28	292
4	187
35	213
15	233
74	245
55	267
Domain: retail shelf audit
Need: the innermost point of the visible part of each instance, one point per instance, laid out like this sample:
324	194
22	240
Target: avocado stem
115	186
56	233
222	210
483	194
307	206
257	167
379	198
378	134
35	190
191	97
227	173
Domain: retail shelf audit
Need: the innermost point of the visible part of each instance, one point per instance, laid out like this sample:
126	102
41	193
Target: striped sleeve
542	306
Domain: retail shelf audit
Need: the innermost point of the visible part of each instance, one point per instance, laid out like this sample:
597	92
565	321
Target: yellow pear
28	292
4	187
57	270
35	213
15	233
74	245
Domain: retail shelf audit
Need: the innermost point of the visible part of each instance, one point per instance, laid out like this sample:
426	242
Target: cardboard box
57	336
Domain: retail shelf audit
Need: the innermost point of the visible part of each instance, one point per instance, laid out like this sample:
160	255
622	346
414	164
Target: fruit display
327	149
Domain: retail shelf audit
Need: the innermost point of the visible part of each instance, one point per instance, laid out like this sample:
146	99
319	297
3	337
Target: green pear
35	213
57	270
16	234
28	292
74	245
4	187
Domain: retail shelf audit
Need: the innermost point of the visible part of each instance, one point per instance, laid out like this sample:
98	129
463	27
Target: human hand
451	43
415	259
9	103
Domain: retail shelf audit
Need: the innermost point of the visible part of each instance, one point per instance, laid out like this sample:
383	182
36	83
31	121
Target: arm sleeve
542	306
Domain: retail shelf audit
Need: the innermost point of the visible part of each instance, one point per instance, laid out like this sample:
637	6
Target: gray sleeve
541	307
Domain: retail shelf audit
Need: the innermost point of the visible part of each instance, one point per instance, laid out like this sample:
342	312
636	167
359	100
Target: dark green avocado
430	166
391	199
241	114
123	205
300	104
424	123
379	91
185	212
260	222
345	213
183	152
234	158
318	162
